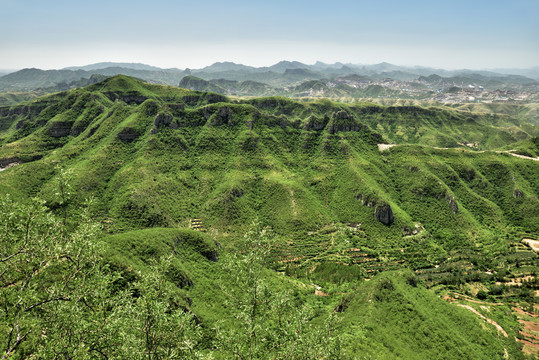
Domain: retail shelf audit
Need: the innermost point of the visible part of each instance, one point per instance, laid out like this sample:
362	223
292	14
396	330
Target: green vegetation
445	208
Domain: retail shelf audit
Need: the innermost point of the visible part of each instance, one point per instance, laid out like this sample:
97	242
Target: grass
312	171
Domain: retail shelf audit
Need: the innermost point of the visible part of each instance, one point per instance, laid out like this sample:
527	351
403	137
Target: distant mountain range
104	65
292	79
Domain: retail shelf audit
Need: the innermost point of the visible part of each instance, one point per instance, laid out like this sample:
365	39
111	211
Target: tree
45	277
155	325
58	297
268	323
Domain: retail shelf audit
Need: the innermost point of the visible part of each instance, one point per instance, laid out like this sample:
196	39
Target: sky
456	34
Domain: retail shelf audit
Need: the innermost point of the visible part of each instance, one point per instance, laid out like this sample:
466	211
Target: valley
329	229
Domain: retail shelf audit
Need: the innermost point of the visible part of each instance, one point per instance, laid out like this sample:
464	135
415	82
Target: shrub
482	295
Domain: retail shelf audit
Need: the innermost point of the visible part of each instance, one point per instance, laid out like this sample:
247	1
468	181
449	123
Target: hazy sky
451	34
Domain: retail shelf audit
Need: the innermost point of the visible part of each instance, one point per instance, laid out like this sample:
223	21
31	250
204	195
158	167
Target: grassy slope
256	159
404	322
158	156
389	317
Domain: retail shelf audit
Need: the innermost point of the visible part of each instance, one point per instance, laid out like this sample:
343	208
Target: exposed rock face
406	231
60	128
384	214
163	119
77	130
208	112
452	203
175	108
191	100
128	134
223	116
215	98
129	98
150	108
366	200
377	137
371	110
4	163
20	124
314	123
23	110
211	255
418	228
518	193
343	121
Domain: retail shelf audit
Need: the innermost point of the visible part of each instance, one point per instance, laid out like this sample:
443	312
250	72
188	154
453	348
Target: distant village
441	92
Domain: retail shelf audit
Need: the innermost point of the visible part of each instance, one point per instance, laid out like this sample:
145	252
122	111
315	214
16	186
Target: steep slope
156	158
403	321
194	83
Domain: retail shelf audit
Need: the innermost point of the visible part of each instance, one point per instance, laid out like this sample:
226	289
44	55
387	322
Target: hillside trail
383	147
293	203
468	298
490	321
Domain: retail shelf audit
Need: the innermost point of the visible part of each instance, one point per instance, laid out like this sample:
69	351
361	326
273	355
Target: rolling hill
448	201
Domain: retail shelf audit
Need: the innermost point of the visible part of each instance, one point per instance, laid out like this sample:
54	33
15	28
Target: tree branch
8	353
12	255
47	301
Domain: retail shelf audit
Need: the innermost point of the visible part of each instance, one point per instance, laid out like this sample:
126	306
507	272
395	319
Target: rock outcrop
129	98
384	214
366	200
163	119
452	202
314	123
342	121
60	128
128	134
223	116
382	211
4	163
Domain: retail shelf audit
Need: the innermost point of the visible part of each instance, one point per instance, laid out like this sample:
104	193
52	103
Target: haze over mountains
294	79
233	71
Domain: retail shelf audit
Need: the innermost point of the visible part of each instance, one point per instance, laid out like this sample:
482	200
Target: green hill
194	83
405	322
158	158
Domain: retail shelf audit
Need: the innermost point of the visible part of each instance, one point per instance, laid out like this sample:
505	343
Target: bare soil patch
490	321
9	165
383	147
534	244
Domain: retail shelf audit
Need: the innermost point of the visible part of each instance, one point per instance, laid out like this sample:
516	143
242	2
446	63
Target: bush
496	290
482	295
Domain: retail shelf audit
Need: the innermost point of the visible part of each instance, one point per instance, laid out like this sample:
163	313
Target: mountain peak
104	65
226	66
